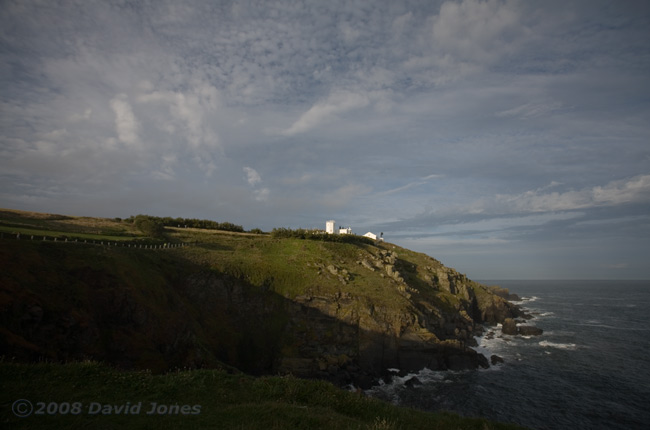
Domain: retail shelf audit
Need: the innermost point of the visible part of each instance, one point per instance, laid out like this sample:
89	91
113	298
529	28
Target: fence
114	244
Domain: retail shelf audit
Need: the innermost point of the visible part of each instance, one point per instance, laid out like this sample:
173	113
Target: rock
509	327
494	359
363	381
483	361
390	270
365	263
332	269
528	330
412	382
503	293
460	362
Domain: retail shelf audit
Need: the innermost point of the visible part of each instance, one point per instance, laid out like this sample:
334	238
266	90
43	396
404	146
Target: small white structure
370	235
373	236
345	230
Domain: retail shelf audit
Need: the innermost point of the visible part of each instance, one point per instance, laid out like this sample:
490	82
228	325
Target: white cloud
531	110
337	103
476	30
188	111
262	194
166	171
126	124
80	117
252	176
634	190
254	179
417	183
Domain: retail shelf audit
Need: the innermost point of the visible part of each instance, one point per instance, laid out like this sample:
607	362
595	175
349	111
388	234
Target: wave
610	327
525	300
391	391
569	346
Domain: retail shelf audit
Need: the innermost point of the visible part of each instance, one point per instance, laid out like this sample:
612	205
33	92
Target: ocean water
589	370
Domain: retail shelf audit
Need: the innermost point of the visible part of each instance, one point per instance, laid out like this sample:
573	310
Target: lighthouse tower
329	227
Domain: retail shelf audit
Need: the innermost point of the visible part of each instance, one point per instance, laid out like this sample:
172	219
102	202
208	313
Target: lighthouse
329	227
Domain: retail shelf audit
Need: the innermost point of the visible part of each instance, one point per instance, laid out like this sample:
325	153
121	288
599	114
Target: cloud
252	176
337	103
166	171
80	117
188	111
634	190
254	179
471	34
344	195
126	125
532	110
477	21
417	183
262	194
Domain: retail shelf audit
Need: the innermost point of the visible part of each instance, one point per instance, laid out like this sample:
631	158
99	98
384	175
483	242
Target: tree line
154	226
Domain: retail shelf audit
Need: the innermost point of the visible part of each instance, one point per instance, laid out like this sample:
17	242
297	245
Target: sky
508	139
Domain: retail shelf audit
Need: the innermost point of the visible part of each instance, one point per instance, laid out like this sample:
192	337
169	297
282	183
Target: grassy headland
262	304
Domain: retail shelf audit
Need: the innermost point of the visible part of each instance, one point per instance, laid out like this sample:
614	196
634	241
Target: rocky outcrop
504	293
510	327
525	330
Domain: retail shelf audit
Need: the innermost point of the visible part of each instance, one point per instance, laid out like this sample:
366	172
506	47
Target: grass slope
227	401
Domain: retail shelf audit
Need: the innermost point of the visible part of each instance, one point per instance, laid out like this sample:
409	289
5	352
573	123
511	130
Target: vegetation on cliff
261	303
264	304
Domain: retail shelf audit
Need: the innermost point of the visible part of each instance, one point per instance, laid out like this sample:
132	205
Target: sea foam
546	343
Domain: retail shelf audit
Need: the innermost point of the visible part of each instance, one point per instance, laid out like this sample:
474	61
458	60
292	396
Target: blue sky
508	139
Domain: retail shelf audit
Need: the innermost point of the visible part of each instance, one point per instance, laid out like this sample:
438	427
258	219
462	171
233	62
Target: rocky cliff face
358	310
433	327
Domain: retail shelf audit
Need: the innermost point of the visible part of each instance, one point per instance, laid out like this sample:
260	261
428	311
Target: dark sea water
589	370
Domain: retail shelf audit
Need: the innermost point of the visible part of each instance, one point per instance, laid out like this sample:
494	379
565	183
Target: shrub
149	226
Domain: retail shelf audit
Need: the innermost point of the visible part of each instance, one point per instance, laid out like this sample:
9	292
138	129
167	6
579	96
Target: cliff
339	311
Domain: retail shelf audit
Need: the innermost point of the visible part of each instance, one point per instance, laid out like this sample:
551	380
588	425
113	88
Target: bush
301	233
149	226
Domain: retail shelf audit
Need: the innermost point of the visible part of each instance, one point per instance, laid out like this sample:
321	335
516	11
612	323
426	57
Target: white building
345	230
373	236
329	227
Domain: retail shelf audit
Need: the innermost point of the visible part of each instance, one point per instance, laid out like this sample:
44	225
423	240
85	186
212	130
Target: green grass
26	233
226	401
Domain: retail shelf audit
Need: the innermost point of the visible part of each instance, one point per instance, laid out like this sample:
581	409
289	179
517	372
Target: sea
590	369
